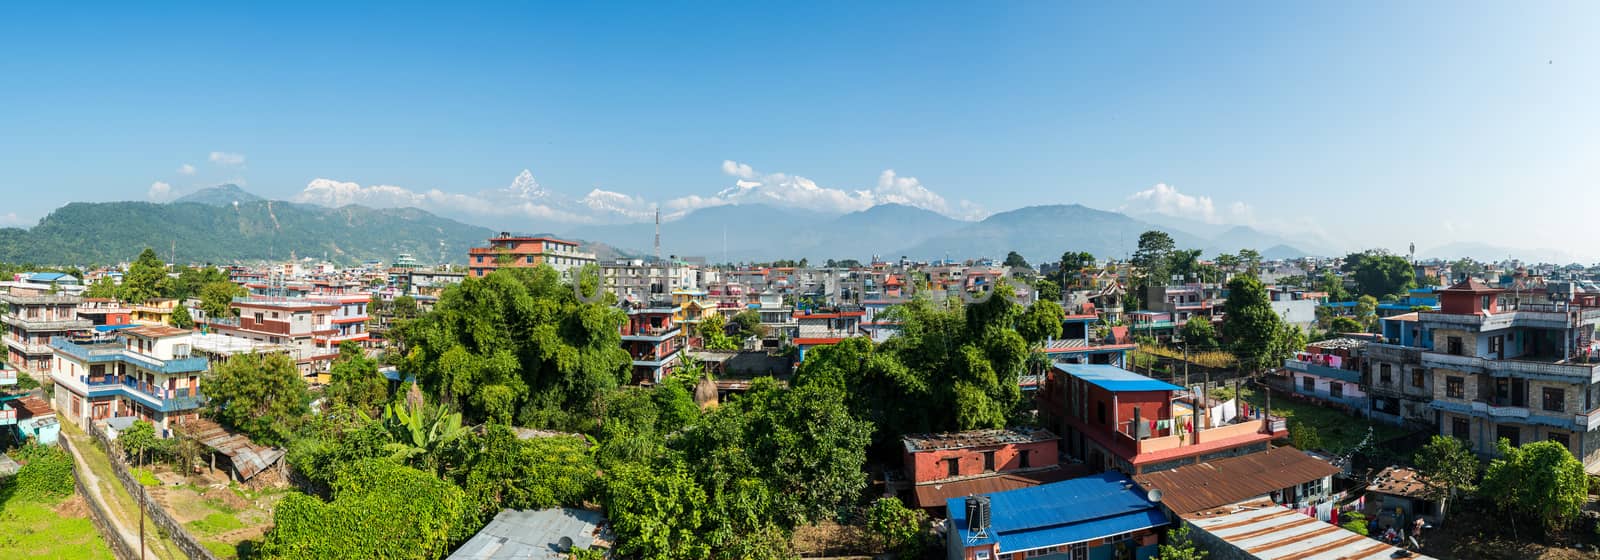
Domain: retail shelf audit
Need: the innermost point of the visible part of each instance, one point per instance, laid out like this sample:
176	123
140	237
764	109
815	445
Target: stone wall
157	514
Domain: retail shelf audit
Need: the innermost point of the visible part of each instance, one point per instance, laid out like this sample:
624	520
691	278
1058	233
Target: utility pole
142	495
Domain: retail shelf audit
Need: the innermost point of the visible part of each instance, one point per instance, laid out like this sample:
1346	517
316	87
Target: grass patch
119	503
144	477
32	529
1338	432
219	548
1211	358
215	524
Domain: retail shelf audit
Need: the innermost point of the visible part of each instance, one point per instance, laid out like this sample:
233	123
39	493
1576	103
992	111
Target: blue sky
1371	123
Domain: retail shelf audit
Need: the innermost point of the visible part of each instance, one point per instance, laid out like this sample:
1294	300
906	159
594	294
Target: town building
639	279
1263	530
1328	371
8	381
1082	341
312	328
147	372
1508	366
1186	301
1115	419
653	340
952	465
1096	516
1398	495
510	251
33	317
104	312
157	311
1399	388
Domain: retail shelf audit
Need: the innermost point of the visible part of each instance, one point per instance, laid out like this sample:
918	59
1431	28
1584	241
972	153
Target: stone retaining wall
152	507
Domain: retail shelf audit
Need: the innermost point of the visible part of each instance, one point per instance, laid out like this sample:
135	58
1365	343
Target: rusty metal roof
1400	481
1212	484
934	495
32	406
247	457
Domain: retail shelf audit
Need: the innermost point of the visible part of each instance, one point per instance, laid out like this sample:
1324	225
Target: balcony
1345	375
1394	353
1177	438
650	334
25	347
654	360
1555	371
8	377
154	396
8	415
1500	409
46	324
112	353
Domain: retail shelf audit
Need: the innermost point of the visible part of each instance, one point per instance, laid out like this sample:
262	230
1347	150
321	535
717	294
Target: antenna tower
658	234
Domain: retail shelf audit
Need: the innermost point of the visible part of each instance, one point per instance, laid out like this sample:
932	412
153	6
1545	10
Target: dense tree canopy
1378	273
379	510
1540	480
356	383
1153	256
1041	321
1198	334
1447	465
517	345
144	279
1254	332
1015	259
216	297
261	395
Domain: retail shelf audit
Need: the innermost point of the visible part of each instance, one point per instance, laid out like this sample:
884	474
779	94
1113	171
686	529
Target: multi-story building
653	340
8	380
312	328
146	372
1508	366
777	316
951	465
31	319
510	251
1082	343
1329	371
639	280
693	307
1399	388
104	312
1186	301
1115	419
155	312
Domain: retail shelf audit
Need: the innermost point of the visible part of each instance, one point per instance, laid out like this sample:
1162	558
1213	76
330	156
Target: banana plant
421	433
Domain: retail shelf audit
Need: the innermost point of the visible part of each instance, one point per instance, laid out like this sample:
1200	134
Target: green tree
405	307
261	395
714	333
1153	257
379	510
1447	466
1378	273
1073	263
140	441
1041	321
1333	285
1179	546
1227	261
656	511
1185	263
1198	334
1540	480
421	434
1304	436
180	317
1253	330
356	383
1048	290
1366	312
144	278
497	470
103	288
1345	325
517	345
216	298
1015	260
899	529
749	322
1251	260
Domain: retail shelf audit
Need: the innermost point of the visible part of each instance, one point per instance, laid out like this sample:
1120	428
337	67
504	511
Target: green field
31	529
1339	432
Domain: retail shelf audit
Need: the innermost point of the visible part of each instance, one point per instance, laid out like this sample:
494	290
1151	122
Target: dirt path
101	490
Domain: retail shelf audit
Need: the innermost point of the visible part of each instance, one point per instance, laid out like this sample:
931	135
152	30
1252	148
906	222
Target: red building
653	340
951	465
510	251
1114	419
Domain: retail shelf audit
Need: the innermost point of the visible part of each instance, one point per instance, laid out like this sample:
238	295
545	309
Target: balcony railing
1474	364
1175	436
104	353
8	415
46	324
167	400
1500	408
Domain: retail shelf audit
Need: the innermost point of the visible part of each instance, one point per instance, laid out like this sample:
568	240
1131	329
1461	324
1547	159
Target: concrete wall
928	466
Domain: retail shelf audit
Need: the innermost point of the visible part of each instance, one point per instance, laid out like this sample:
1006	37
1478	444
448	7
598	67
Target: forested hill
101	233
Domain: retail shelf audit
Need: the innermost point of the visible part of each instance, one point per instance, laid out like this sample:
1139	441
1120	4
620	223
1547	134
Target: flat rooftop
1115	379
916	443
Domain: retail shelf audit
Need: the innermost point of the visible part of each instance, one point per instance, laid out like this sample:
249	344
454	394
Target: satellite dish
1154	495
564	545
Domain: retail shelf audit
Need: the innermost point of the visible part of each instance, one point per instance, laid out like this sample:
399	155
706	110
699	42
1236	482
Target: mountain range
226	224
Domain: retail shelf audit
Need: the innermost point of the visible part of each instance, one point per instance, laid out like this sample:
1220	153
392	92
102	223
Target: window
1100	411
1496	344
954	466
1416	377
1460	429
1336	389
1564	439
1384	376
1453	345
1487	302
988	461
1512	434
1455	387
1078	551
1555	400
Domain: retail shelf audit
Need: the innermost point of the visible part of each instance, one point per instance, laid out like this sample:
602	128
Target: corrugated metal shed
248	458
1115	379
1212	484
523	534
1267	531
1400	481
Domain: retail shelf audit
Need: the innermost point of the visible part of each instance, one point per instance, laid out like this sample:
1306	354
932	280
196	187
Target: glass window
1455	387
1555	399
1453	345
1308	383
1460	428
1383	374
1416	377
1564	439
1336	389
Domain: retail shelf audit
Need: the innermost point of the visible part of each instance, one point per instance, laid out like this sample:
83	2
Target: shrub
1354	522
46	473
380	510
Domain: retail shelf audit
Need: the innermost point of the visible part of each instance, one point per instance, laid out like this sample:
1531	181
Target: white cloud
10	219
186	169
794	191
227	158
524	197
1165	199
159	191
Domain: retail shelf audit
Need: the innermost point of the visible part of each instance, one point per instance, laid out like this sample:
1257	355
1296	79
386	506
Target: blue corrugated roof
1115	379
46	276
1061	513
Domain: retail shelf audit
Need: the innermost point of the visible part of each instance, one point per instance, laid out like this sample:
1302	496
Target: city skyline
1302	119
